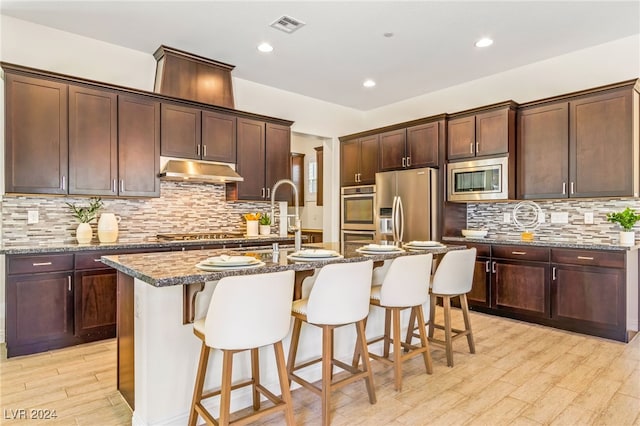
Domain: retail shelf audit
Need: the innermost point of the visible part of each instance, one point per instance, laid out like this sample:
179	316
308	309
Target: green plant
626	218
265	219
86	214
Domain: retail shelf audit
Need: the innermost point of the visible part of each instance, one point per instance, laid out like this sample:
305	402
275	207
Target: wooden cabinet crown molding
54	76
486	108
392	127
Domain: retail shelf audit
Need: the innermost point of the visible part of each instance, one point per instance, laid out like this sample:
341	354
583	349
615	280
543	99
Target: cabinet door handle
408	161
471	148
519	253
486	266
564	188
477	147
42	264
121	185
198	150
553	273
69	282
63	184
268	192
262	192
204	150
97	260
585	258
114	187
404	161
493	267
572	188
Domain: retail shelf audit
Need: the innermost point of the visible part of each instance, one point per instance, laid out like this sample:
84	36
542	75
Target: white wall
600	65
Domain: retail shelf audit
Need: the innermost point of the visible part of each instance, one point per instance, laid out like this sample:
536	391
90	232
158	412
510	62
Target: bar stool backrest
249	311
340	294
407	281
454	274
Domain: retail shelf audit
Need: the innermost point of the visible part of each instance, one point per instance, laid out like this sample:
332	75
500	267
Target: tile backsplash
182	207
490	216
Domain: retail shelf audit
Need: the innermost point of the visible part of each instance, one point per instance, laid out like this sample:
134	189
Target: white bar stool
245	313
453	278
405	286
340	296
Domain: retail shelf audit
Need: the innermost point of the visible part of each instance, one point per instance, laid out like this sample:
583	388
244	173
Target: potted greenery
265	224
626	219
84	233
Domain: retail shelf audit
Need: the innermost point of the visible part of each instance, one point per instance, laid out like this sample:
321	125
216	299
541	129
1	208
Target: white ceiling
342	43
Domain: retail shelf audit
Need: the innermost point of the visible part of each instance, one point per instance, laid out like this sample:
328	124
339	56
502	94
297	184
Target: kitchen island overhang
157	351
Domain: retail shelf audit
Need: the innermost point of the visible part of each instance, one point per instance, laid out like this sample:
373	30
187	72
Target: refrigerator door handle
401	220
394	218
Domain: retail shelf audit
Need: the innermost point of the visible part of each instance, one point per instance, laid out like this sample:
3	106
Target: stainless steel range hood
198	171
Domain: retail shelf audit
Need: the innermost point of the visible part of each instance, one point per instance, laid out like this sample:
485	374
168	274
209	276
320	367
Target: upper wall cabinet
481	132
359	161
585	145
411	147
36	145
189	132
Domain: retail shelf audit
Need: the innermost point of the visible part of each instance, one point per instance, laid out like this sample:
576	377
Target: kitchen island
157	351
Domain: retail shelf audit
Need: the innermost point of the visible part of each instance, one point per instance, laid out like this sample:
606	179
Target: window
313	177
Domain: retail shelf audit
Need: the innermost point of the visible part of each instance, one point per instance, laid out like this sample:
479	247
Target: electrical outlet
560	217
588	218
506	218
32	216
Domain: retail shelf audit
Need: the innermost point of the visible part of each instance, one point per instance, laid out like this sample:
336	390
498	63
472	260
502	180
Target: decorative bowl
474	233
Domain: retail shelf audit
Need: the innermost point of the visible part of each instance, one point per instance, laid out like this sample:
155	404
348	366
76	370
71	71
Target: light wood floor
522	374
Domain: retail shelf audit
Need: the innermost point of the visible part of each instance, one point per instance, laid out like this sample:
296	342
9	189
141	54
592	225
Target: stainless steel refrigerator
406	205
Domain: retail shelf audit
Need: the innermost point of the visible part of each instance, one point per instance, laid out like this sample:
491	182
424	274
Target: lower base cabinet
577	290
95	303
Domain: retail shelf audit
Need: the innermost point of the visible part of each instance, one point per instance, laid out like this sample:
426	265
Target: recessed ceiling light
484	42
265	47
388	35
369	83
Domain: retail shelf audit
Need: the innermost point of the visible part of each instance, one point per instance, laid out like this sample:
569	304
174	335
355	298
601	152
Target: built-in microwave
358	208
476	180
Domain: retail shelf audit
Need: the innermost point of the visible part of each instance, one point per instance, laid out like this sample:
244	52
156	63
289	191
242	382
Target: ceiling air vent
287	24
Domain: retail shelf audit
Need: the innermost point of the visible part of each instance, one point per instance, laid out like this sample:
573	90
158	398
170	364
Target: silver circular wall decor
526	215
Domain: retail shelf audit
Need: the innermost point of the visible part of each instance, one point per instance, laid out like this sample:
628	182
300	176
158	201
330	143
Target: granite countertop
47	247
559	243
178	268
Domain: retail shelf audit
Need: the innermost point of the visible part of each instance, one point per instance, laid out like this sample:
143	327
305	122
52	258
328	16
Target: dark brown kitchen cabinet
39	303
36	132
542	151
180	133
262	159
520	281
392	153
138	146
480	294
93	141
359	161
579	146
423	145
588	291
218	137
483	133
94	297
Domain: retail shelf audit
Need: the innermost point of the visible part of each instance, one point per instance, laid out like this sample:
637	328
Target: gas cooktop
199	236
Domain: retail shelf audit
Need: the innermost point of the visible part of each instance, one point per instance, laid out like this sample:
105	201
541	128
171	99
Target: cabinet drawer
91	260
588	258
539	254
36	264
481	249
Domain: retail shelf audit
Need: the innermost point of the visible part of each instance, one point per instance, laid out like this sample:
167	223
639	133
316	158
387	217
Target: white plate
211	268
315	253
423	244
313	259
363	250
379	247
226	261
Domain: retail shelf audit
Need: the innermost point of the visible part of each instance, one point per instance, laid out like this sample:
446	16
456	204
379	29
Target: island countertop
547	242
179	268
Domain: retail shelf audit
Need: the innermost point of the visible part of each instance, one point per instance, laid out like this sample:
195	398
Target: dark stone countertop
45	247
179	267
557	243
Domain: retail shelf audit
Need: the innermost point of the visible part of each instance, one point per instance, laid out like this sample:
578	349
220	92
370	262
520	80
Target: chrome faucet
297	228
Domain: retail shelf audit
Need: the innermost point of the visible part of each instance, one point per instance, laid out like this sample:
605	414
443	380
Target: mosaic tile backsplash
490	216
182	207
